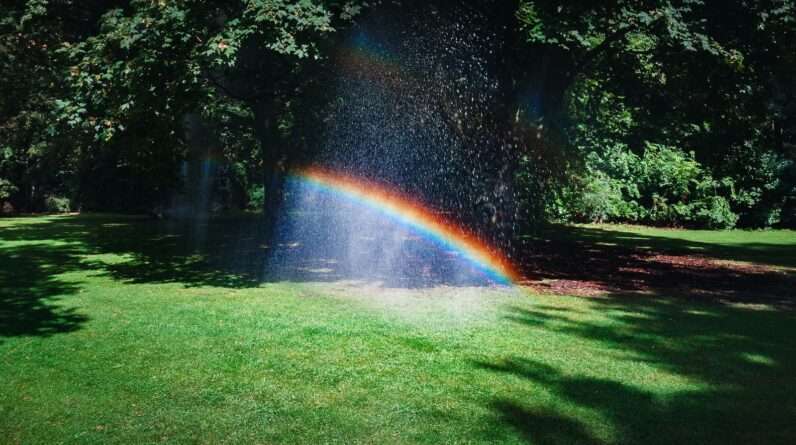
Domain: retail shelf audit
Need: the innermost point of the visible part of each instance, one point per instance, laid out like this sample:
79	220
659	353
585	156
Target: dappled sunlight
34	299
732	368
612	261
477	361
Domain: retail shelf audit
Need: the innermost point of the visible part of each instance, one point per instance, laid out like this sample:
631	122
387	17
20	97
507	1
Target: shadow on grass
742	362
35	252
234	252
771	254
578	260
226	252
29	289
542	427
218	252
194	253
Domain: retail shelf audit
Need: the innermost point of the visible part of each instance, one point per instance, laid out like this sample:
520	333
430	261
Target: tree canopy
671	113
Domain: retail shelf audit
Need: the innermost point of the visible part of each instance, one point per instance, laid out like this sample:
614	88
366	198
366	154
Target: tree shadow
780	255
741	361
29	289
234	252
194	253
34	254
542	427
588	261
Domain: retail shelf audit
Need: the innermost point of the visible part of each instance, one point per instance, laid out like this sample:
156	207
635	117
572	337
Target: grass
123	330
769	247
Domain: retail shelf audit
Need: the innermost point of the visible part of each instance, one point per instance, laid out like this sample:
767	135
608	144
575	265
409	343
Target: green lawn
771	247
124	330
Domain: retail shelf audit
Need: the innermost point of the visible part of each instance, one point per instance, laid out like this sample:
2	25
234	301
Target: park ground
127	330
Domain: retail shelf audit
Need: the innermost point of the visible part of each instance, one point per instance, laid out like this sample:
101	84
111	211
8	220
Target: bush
57	204
6	189
765	182
714	212
600	199
663	186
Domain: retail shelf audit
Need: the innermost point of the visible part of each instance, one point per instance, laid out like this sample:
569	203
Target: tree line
677	113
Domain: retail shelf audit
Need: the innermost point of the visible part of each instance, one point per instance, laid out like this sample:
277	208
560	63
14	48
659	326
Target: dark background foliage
677	113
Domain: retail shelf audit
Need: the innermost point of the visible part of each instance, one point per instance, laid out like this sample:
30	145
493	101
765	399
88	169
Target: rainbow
414	215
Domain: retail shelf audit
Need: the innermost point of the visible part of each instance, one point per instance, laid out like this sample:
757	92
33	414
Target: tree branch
593	54
253	97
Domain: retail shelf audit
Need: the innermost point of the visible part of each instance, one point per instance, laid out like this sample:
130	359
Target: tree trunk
274	182
274	160
532	83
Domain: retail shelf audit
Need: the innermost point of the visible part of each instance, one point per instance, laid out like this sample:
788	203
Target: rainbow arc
408	212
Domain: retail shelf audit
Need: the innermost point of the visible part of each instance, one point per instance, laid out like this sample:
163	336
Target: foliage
57	204
6	189
102	89
680	75
659	112
663	186
33	160
256	195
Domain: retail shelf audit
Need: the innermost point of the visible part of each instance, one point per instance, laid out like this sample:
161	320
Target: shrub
6	189
57	204
765	180
714	212
663	186
600	199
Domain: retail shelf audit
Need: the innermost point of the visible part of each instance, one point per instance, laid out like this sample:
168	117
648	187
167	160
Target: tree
29	80
153	63
694	75
99	95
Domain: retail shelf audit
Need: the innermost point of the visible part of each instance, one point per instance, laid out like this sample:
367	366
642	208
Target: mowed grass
123	330
767	247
